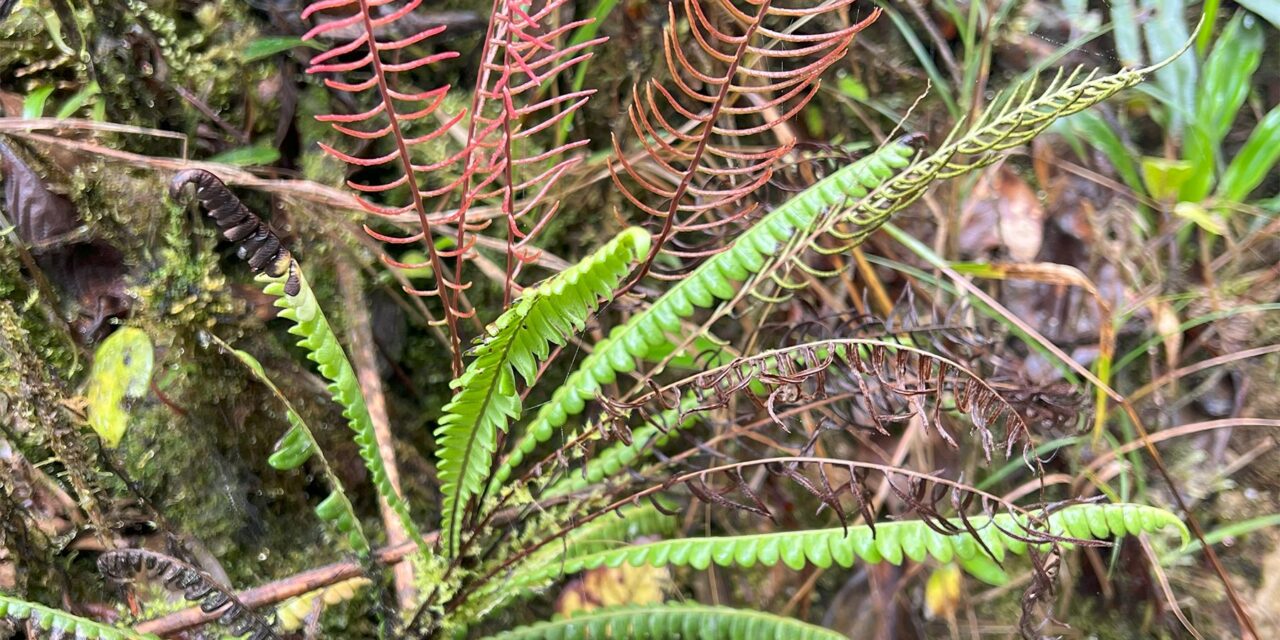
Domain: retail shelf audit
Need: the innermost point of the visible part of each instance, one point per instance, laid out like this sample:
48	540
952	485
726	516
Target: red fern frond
747	70
374	70
521	56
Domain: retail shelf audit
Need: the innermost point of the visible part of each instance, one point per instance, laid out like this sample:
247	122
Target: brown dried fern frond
743	69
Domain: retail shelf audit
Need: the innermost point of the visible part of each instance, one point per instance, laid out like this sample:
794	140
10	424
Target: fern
864	194
749	71
632	522
55	623
886	542
487	399
598	535
322	347
713	280
675	621
623	455
299	445
384	84
281	277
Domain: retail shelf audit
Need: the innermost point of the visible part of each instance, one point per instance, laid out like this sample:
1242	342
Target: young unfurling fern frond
886	541
748	70
281	278
521	55
55	623
487	398
671	621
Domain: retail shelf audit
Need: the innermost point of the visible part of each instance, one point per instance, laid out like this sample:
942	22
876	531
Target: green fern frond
713	280
677	621
487	398
322	347
874	188
888	542
1012	121
56	623
299	445
606	533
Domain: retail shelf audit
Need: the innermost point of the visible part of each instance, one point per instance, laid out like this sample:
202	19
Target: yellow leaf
942	592
121	370
612	587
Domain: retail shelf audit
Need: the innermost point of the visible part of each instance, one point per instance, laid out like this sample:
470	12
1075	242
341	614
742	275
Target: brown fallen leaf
1003	212
89	272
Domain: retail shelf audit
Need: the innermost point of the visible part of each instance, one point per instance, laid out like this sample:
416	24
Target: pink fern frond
523	54
364	68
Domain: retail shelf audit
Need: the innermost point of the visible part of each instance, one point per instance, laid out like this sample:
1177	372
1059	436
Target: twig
281	590
365	362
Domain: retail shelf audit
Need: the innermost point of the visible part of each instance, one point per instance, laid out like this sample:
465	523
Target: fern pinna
747	72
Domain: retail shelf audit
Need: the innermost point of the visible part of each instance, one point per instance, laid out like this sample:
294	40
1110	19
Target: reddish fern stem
447	294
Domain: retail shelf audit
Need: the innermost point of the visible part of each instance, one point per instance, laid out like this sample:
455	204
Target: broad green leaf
1202	217
121	370
268	46
1227	78
1166	32
1164	178
257	154
1268	10
33	104
1092	128
1254	161
78	100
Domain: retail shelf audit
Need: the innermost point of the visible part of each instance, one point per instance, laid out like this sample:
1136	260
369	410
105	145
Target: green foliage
487	398
299	445
55	623
624	455
675	621
887	542
323	348
598	535
1204	99
713	280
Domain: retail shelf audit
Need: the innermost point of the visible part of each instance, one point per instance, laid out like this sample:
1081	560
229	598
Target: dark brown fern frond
370	69
126	565
879	383
522	54
748	70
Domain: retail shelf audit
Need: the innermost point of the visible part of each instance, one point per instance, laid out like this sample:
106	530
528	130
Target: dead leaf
91	273
1003	212
40	217
611	587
